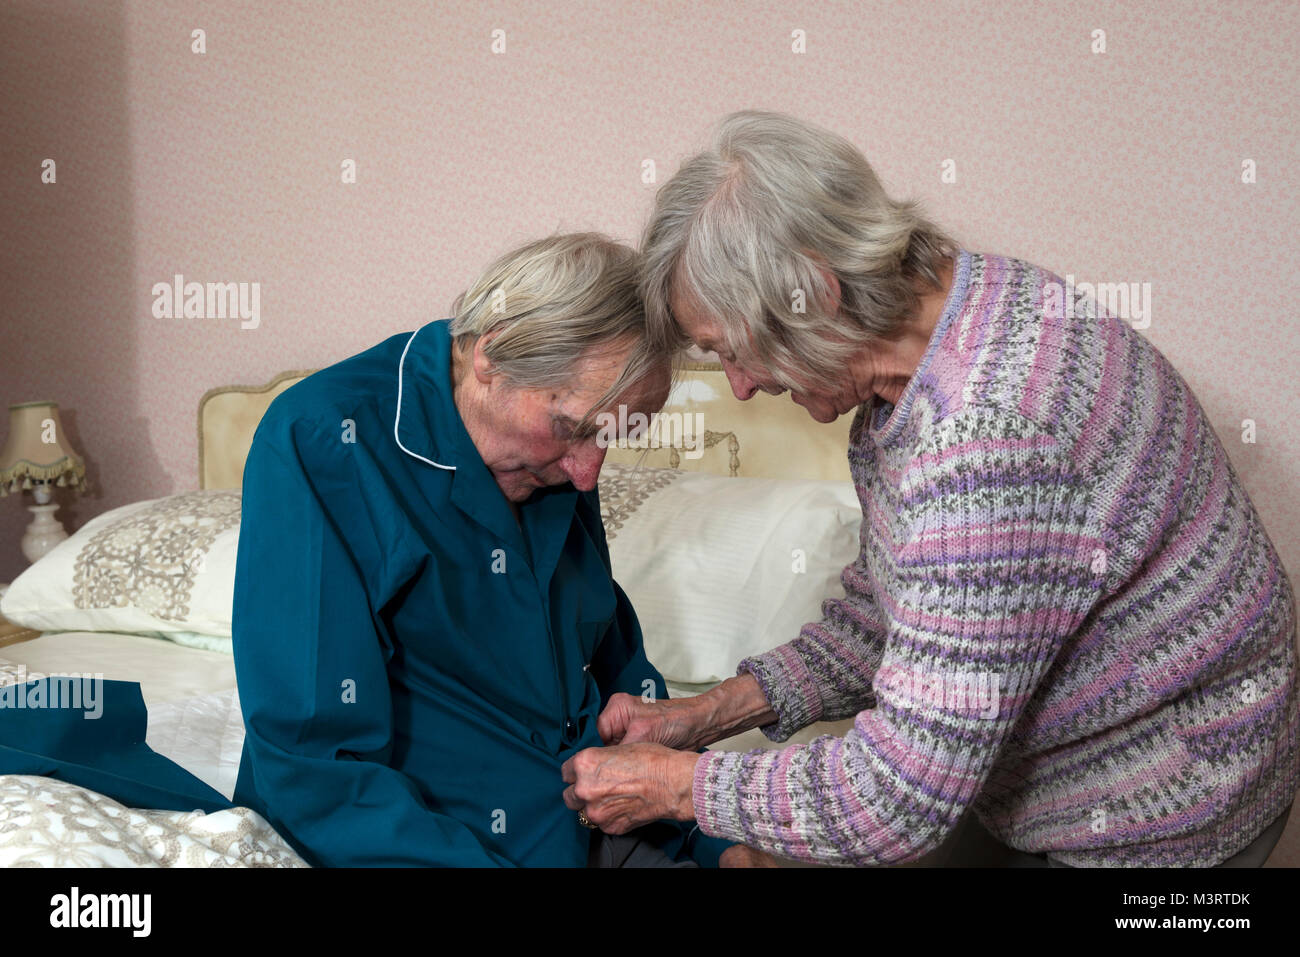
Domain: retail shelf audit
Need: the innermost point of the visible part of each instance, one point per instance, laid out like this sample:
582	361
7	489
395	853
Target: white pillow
717	568
720	568
162	567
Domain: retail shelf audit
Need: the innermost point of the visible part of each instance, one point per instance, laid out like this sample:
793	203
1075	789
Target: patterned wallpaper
1153	151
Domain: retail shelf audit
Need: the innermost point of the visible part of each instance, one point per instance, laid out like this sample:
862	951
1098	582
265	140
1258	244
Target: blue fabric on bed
107	753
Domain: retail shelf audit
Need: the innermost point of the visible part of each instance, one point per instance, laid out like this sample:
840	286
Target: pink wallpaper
226	166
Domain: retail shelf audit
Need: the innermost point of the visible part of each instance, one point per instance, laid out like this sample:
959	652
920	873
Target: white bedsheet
165	670
193	719
190	694
204	734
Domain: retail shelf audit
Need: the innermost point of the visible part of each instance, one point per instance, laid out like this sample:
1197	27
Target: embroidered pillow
162	567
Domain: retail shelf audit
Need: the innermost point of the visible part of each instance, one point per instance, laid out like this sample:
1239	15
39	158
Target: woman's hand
742	855
628	719
686	724
623	787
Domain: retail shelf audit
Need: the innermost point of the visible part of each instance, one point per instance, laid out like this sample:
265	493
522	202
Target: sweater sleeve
993	567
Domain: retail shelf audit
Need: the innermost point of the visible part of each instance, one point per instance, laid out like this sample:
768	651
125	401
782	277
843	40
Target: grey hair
744	226
553	300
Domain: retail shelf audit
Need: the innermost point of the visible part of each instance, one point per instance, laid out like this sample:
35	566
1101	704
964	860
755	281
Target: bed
727	529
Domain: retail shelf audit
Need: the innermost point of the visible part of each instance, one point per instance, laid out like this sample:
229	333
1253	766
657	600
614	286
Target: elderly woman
1050	527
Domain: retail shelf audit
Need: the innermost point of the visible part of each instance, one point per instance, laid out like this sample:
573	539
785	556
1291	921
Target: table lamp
38	456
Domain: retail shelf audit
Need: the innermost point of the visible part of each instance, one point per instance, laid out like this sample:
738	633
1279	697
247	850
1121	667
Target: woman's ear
832	282
832	290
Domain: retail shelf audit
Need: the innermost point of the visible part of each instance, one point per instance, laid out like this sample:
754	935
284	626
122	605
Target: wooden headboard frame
764	437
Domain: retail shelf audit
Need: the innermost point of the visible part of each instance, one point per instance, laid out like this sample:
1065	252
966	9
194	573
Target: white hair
551	302
744	228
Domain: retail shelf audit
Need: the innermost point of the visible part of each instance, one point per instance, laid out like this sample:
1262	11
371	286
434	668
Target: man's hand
624	787
627	719
742	855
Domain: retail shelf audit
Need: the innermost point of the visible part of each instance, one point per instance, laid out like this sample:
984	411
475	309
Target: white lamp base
43	533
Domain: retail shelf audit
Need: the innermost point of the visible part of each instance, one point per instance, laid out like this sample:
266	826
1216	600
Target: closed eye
565	429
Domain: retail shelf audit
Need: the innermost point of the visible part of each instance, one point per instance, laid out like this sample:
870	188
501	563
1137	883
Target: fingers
569	774
615	826
639	731
612	722
653	729
610	725
614	802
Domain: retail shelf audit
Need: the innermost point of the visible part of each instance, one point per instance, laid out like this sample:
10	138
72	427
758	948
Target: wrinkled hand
627	718
624	787
742	855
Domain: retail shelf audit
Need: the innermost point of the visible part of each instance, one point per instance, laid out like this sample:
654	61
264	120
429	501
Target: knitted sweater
1066	614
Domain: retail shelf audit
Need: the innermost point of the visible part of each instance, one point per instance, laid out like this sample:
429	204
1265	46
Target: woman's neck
885	366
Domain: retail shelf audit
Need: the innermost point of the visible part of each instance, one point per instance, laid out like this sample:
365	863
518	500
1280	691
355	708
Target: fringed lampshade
37	455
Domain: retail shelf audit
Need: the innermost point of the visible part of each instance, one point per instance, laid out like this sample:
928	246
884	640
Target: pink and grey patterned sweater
1065	616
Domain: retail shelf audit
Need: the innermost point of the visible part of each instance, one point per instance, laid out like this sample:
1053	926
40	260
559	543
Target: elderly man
425	626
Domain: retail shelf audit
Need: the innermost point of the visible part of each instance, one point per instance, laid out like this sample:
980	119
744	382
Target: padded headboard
228	417
766	436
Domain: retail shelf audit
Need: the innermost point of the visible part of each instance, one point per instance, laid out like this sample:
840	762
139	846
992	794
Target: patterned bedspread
45	822
53	821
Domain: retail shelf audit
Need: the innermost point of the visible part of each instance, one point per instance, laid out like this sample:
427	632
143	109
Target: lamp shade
37	450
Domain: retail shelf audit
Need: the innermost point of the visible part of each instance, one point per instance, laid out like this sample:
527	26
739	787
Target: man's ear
484	370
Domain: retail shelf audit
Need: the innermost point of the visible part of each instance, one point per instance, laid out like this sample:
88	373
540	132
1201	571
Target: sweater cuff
714	793
789	688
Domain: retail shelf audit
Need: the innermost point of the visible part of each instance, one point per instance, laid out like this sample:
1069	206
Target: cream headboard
766	437
228	417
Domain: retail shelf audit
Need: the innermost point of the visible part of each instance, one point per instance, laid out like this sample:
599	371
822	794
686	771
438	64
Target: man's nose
742	385
582	465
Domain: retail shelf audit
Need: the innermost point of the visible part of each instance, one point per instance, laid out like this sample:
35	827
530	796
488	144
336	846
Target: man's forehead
647	395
